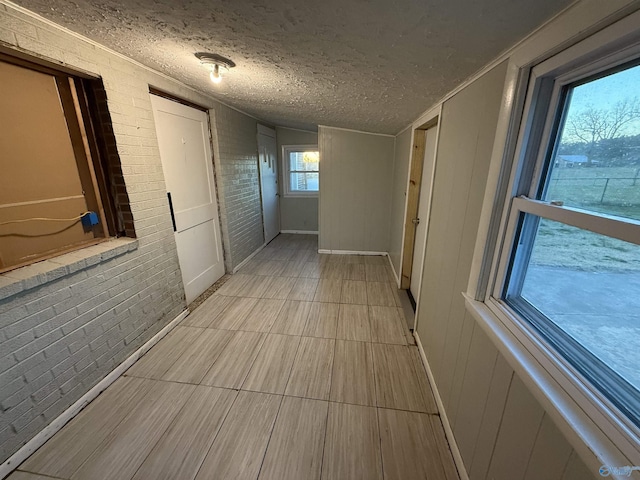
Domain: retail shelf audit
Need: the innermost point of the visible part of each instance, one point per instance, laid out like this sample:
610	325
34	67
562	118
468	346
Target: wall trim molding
393	270
352	252
301	232
248	259
355	131
455	451
50	430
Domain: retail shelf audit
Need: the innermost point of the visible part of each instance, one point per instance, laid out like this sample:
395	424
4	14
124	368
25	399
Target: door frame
414	181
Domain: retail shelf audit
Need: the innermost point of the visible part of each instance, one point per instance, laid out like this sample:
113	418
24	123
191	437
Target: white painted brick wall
63	331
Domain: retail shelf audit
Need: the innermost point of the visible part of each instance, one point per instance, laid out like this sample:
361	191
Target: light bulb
215	74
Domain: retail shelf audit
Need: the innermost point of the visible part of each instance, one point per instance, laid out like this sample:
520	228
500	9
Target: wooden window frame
77	95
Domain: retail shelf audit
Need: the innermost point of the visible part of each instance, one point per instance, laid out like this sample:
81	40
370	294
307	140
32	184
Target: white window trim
589	421
287	192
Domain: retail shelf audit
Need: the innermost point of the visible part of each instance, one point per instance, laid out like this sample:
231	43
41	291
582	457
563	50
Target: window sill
301	195
589	424
41	273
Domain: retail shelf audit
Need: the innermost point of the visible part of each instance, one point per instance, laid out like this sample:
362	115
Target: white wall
501	430
296	213
402	158
355	190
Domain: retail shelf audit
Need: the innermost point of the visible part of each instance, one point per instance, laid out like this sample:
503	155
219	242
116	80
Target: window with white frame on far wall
301	170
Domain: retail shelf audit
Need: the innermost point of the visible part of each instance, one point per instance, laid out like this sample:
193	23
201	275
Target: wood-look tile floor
299	367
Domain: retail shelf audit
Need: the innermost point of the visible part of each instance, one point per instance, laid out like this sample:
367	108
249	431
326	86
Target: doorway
422	216
187	163
268	160
420	184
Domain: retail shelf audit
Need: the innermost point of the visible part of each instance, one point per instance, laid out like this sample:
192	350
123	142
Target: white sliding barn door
185	151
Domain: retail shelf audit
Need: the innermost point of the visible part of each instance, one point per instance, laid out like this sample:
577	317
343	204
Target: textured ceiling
372	65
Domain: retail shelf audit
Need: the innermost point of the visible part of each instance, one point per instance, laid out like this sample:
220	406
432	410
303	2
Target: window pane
596	163
304	161
588	286
304	182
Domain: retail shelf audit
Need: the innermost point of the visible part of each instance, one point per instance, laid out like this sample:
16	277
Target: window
51	173
570	268
302	170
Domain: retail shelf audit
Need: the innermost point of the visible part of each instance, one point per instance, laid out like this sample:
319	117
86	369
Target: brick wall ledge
41	273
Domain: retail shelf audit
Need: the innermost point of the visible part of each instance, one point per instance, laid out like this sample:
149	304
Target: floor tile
271	268
198	358
124	450
238	450
380	293
156	362
396	380
207	312
386	325
262	316
322	321
332	271
271	369
296	445
354	292
255	287
311	373
353	323
63	454
376	273
354	271
233	364
423	381
304	289
300	256
352	380
235	313
250	267
311	270
292	269
376	260
329	290
19	475
410	447
280	288
182	449
232	286
292	318
352	444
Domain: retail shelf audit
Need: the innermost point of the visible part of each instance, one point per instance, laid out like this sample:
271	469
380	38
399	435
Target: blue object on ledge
90	219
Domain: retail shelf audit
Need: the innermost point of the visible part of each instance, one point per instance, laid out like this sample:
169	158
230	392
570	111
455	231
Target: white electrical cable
44	219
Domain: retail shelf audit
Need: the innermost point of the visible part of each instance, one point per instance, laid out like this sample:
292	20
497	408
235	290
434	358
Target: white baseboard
301	232
50	430
351	252
395	274
248	259
457	458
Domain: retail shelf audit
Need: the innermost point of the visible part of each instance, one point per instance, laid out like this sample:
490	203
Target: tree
594	125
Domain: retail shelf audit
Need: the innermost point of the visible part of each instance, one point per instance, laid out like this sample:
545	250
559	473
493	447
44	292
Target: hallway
299	367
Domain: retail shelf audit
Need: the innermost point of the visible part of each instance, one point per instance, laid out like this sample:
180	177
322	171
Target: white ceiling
372	65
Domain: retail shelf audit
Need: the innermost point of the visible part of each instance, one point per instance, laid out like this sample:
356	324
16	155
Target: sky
605	92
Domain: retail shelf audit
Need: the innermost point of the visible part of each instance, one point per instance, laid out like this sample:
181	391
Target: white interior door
185	151
268	159
423	212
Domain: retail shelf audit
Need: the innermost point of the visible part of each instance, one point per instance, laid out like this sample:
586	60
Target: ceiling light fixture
216	64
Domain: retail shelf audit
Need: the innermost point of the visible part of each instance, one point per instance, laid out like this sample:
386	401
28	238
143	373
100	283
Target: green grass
565	246
608	190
